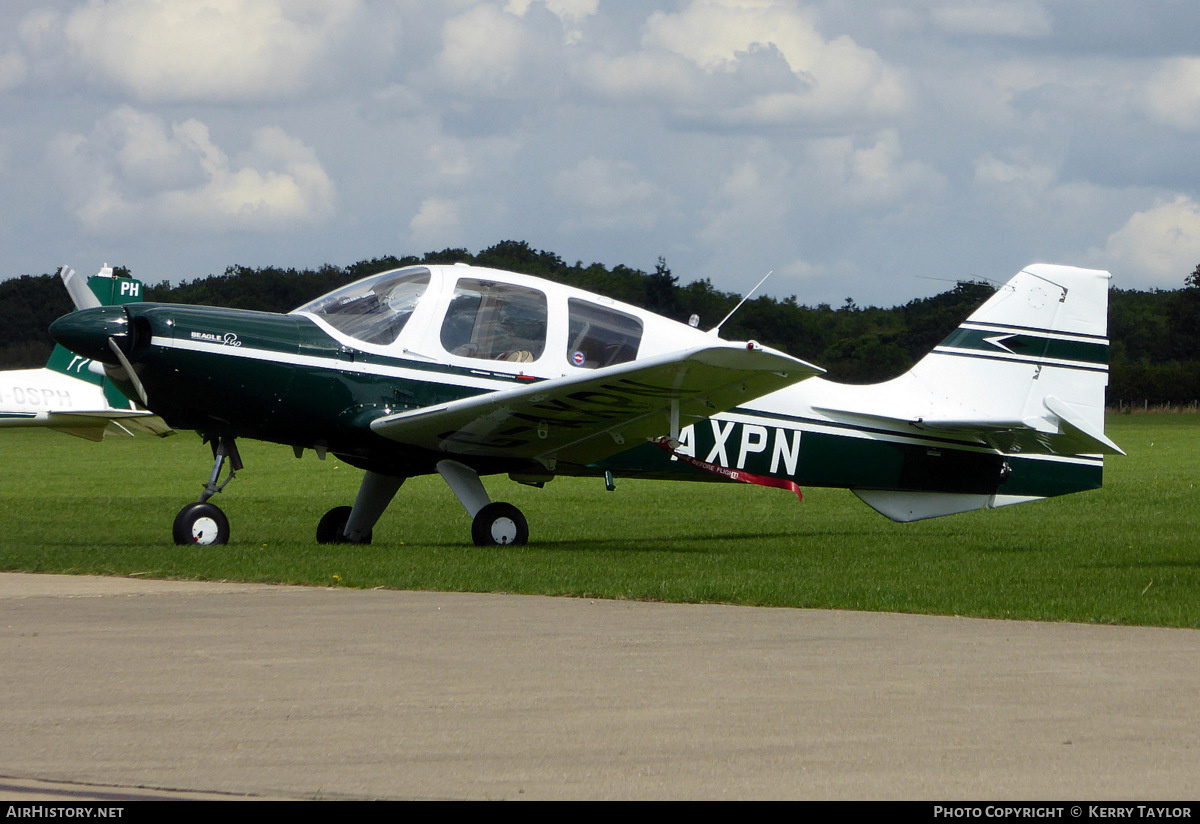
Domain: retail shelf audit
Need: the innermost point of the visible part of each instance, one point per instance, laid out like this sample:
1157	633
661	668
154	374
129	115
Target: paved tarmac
121	689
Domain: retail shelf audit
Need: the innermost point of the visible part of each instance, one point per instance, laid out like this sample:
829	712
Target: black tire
332	528
200	525
499	524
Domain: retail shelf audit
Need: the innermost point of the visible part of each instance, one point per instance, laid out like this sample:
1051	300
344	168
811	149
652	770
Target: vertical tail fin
1030	365
1025	375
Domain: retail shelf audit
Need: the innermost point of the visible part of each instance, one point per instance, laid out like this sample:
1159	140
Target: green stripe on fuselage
266	333
1028	344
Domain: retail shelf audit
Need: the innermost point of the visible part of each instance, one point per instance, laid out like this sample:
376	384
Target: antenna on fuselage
716	330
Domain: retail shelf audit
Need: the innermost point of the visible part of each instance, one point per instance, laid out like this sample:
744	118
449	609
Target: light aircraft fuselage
466	371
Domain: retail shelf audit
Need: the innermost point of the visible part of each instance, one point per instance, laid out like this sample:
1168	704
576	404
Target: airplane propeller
85	300
98	334
128	369
77	288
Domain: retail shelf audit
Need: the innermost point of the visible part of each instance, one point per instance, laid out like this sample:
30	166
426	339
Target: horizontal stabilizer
1063	432
1078	432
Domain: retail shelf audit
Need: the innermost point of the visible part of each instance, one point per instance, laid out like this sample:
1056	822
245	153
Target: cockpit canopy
486	317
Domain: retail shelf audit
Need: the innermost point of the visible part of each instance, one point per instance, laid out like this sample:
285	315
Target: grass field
1126	554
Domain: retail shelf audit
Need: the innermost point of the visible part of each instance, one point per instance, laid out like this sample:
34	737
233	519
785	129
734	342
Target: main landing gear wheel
201	524
332	528
499	524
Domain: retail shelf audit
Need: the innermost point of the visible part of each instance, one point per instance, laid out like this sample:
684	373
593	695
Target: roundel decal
578	359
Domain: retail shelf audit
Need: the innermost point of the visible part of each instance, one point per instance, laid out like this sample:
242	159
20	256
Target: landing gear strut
353	525
492	524
203	523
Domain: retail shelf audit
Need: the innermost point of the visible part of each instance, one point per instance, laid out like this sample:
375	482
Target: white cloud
486	51
40	28
135	172
482	47
766	192
748	63
1157	247
437	222
712	33
12	71
570	12
877	176
608	194
752	200
1173	94
643	76
460	164
566	10
1005	18
1020	182
732	137
205	50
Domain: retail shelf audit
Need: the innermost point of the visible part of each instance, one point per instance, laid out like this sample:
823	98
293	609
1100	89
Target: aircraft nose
87	332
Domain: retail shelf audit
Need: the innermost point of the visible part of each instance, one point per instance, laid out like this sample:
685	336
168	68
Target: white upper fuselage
424	334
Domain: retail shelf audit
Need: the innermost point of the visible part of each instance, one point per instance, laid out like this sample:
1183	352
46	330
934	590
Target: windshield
375	309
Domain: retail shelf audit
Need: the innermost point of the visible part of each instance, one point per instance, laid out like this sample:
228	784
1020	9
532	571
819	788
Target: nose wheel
202	523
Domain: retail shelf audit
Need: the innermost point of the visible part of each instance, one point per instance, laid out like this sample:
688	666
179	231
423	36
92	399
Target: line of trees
1155	354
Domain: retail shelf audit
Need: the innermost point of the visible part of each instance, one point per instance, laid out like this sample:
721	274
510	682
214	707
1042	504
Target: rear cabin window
495	321
599	336
375	309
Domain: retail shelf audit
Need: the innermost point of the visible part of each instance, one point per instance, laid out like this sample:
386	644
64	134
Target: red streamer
670	445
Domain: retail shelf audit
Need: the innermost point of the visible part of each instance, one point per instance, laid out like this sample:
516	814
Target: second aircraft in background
71	393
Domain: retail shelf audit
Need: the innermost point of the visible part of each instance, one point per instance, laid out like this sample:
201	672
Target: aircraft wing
93	424
584	418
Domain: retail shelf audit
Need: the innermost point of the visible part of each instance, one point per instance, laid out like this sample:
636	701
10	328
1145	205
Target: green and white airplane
70	394
464	371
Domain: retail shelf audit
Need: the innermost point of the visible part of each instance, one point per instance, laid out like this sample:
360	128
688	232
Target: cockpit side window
495	321
375	309
598	336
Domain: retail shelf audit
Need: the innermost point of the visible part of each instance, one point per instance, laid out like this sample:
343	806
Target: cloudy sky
866	149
